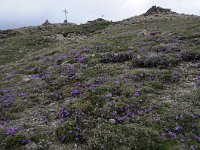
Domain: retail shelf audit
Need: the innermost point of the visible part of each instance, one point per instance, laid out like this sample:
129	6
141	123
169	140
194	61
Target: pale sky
19	13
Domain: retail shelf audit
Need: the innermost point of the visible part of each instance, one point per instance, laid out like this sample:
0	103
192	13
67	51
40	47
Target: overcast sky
19	13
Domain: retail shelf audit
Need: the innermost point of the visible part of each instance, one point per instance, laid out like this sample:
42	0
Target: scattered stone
46	23
26	78
31	146
1	66
158	10
113	121
144	32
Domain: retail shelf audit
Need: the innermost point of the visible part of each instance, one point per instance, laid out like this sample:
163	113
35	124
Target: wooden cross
65	11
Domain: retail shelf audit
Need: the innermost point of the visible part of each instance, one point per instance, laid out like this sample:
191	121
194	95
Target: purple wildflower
151	78
137	93
35	76
121	118
26	141
5	90
63	113
114	113
21	94
182	140
70	70
177	128
75	92
116	81
109	95
62	138
172	134
80	59
196	137
147	110
136	78
11	131
142	50
77	128
140	112
90	86
193	147
130	114
163	136
77	138
8	99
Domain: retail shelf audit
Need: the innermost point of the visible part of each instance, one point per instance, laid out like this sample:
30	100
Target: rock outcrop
158	10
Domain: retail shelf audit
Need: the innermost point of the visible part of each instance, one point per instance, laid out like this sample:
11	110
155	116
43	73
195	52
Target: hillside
132	84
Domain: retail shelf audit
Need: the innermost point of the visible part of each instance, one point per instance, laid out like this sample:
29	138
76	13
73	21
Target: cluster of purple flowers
11	131
63	113
7	100
178	132
73	134
128	113
80	58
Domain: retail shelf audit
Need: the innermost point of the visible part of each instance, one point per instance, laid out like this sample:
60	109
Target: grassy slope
103	89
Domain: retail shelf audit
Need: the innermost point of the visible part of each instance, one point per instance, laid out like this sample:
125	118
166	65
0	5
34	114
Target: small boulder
113	121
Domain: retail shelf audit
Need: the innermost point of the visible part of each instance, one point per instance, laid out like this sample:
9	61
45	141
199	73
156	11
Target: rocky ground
132	84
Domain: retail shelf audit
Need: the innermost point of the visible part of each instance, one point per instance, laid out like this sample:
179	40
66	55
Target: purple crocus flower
177	128
77	138
75	92
121	118
5	90
62	138
80	59
163	136
25	141
137	93
114	113
63	113
196	137
35	76
77	128
109	95
8	99
193	147
21	94
11	131
172	134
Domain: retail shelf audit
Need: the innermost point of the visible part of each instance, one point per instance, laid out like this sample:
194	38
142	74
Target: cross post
65	11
